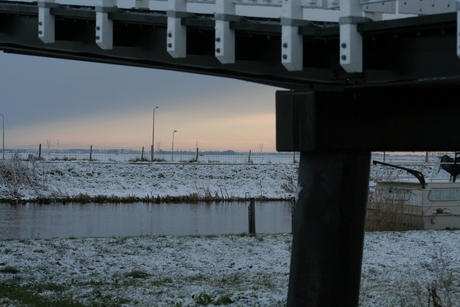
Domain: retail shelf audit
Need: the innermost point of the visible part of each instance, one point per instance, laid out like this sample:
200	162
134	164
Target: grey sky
44	98
38	90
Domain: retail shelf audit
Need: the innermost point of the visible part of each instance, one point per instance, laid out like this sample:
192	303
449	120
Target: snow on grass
147	179
72	178
399	269
152	271
412	268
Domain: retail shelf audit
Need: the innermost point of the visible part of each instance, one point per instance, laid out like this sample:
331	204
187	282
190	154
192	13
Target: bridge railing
292	15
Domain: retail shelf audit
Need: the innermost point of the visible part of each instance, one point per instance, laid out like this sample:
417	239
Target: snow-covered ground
71	178
399	269
60	179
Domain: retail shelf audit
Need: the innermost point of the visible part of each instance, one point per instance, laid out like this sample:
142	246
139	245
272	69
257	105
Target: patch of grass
203	299
139	160
9	270
224	300
138	274
30	296
7	251
290	185
388	215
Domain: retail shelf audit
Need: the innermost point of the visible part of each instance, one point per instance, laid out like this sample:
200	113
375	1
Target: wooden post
249	158
142	154
91	152
151	153
252	216
196	159
39	151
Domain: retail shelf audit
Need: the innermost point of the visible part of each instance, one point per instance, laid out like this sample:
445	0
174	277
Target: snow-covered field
70	178
60	179
412	268
399	269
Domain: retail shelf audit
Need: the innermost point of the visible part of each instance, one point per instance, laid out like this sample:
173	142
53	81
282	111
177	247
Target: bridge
360	76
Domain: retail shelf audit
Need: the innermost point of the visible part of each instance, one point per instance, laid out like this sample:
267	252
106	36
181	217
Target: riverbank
82	181
150	182
399	269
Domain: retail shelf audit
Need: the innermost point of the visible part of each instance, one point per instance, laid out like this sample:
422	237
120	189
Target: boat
416	203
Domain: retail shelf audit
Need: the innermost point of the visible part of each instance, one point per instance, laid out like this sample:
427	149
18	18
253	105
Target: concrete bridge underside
405	98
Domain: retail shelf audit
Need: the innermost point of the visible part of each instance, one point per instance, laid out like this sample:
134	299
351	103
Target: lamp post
3	138
153	135
172	147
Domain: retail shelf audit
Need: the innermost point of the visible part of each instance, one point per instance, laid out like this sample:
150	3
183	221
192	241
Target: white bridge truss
291	14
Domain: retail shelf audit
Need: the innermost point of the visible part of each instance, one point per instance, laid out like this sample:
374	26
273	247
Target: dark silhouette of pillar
328	232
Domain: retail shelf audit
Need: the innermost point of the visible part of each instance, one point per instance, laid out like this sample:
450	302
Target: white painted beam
176	41
291	40
224	36
104	25
319	4
378	6
142	4
46	21
351	42
426	7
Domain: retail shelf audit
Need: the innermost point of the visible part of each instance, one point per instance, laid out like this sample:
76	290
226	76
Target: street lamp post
172	147
3	138
153	135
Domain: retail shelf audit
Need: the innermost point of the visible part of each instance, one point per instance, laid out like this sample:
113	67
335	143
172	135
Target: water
105	220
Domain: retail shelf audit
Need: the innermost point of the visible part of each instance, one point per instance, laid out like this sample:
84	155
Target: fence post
39	151
151	153
196	159
142	154
293	157
91	152
249	158
252	216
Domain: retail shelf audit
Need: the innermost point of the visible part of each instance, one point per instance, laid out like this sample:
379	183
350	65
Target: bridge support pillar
328	234
335	133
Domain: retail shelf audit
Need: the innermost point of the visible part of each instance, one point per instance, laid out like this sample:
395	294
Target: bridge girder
410	52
